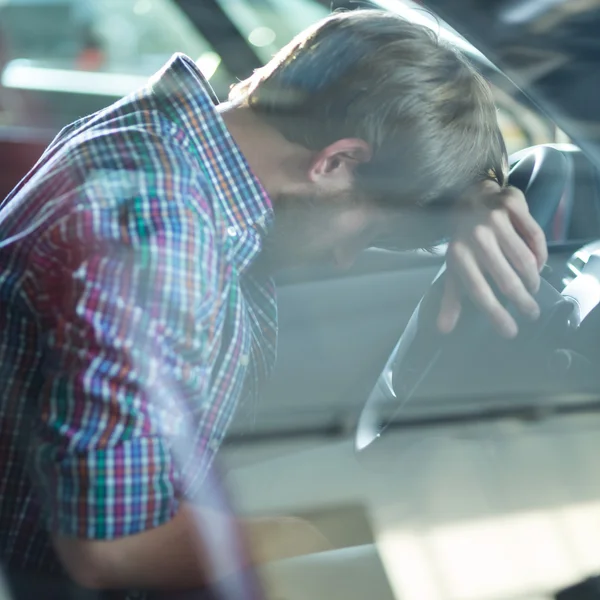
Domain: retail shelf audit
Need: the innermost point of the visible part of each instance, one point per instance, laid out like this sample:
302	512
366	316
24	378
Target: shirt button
214	445
244	360
262	221
232	232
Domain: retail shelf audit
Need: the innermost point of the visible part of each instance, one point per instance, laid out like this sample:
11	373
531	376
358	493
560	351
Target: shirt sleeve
127	294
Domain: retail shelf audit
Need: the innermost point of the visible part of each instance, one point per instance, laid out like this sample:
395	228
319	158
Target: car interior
460	467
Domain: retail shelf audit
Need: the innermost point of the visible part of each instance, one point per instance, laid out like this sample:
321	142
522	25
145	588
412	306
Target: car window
521	126
479	476
62	59
269	24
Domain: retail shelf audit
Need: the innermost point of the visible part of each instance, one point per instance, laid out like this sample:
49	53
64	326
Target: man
137	299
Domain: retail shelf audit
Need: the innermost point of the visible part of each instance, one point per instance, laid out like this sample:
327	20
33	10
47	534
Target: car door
336	331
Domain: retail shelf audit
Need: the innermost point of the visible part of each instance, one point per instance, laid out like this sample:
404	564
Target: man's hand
498	238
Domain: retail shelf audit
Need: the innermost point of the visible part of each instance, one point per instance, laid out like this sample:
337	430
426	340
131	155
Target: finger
504	276
526	225
465	265
450	307
520	256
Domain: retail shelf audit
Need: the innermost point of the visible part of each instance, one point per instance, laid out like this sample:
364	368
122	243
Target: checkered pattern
132	317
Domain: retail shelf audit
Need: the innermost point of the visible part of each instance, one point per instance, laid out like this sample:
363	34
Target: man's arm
497	238
129	313
126	285
175	555
168	557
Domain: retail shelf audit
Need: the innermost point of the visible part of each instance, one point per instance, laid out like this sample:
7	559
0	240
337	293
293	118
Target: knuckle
513	197
531	263
497	216
510	288
484	296
481	234
526	263
456	252
497	313
537	233
487	301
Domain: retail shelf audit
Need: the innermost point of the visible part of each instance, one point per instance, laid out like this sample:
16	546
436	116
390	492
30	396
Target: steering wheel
474	361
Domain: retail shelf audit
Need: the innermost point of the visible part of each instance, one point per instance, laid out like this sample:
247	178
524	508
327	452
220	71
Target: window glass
468	494
270	24
60	59
521	126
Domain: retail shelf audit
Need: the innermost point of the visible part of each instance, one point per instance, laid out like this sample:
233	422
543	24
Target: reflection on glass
270	24
105	48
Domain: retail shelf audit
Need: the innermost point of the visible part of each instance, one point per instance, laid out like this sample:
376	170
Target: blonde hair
428	115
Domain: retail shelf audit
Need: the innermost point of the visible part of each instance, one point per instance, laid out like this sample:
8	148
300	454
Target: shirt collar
188	100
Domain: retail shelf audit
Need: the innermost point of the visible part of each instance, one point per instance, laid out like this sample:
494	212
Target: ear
333	167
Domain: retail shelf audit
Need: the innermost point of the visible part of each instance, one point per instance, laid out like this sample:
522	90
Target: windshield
214	380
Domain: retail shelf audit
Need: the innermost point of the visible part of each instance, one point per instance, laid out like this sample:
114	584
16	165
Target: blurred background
63	59
451	506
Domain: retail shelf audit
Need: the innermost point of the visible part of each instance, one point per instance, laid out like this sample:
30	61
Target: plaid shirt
133	317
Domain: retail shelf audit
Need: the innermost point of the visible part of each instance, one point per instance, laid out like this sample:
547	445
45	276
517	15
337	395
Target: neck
273	159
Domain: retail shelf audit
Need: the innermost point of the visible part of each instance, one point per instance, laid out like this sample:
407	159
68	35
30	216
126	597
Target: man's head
390	125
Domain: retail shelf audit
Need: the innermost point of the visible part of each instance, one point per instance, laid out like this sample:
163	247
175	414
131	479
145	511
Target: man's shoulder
140	157
114	175
131	150
128	135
